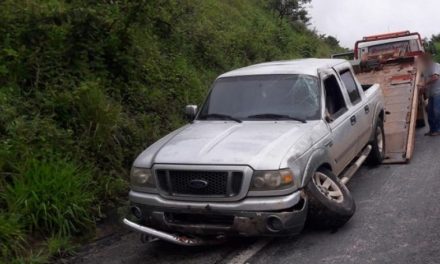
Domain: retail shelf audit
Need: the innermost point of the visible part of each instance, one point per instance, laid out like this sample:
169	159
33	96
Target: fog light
274	224
136	211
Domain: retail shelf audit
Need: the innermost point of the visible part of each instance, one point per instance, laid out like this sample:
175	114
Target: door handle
329	144
367	109
353	120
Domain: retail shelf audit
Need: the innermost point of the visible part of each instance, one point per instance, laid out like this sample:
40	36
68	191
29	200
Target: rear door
361	108
339	118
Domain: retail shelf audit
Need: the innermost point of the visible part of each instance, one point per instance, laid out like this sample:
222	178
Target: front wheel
377	154
330	203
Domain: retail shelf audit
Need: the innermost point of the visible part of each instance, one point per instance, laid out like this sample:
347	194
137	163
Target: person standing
432	91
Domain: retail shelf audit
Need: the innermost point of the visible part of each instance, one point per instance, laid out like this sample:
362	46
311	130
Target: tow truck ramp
399	81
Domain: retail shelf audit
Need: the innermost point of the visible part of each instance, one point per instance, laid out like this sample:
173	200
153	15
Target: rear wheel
330	203
377	154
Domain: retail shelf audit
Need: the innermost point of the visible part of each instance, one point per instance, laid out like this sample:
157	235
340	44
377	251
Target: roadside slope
86	85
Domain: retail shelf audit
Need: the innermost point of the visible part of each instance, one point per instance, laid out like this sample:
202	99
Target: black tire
326	212
377	154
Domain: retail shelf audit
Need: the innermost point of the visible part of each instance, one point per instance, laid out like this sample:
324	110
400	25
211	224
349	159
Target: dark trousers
434	113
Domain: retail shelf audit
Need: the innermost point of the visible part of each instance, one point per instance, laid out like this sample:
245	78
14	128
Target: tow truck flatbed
399	80
392	60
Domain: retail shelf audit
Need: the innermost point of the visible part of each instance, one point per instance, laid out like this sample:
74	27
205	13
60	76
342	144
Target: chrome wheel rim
379	139
328	187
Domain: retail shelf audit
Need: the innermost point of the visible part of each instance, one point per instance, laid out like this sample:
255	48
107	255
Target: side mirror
190	111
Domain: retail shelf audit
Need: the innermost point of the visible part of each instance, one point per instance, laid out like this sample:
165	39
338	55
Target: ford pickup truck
273	144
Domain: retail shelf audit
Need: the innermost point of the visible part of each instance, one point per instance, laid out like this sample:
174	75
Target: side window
334	100
352	88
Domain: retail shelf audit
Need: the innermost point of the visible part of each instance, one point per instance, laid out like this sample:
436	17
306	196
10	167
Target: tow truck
393	61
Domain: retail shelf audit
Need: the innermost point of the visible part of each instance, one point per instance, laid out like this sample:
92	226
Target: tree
435	38
331	41
294	10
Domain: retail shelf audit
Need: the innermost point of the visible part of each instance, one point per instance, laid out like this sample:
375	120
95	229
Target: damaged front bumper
256	216
172	238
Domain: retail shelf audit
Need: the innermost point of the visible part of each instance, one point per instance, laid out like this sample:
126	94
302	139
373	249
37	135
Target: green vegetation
49	197
434	46
86	85
11	235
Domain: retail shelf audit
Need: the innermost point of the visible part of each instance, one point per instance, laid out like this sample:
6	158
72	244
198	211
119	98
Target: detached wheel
377	154
330	203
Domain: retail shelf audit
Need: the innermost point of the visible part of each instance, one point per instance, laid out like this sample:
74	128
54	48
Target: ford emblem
198	184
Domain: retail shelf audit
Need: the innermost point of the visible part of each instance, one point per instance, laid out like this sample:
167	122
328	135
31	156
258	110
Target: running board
175	239
348	174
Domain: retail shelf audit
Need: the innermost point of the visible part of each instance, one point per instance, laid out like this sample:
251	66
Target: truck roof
301	66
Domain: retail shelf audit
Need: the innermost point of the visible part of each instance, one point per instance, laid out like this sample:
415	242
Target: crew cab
273	144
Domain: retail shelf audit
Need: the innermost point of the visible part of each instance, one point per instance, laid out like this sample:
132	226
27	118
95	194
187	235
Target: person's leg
436	114
431	114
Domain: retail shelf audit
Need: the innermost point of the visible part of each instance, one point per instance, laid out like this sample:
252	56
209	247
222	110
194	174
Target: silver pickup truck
273	144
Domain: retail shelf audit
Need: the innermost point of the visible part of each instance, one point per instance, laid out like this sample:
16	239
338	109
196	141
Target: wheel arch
379	113
320	158
325	165
382	114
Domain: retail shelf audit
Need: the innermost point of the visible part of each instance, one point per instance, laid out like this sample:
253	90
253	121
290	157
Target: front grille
202	183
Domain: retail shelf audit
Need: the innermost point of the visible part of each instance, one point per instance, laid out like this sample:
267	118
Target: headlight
272	180
142	177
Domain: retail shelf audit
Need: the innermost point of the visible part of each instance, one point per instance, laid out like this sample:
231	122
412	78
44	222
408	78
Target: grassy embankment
86	85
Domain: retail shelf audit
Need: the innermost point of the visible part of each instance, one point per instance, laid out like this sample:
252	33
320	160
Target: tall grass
11	236
53	196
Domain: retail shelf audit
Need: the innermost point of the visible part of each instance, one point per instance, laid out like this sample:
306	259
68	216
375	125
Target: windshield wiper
277	116
221	116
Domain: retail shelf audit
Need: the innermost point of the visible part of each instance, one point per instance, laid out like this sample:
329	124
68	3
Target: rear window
404	46
401	45
351	86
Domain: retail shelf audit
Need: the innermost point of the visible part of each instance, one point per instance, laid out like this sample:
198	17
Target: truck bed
398	80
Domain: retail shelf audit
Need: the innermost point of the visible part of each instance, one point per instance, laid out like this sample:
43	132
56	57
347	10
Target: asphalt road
397	221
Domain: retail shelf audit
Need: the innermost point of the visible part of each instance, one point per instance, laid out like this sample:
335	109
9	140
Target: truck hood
259	144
